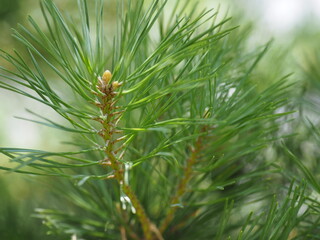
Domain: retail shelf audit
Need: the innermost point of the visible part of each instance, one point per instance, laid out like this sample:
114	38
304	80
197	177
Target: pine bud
116	84
106	77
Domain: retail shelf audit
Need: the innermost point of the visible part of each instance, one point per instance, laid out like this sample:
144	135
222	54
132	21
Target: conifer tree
169	126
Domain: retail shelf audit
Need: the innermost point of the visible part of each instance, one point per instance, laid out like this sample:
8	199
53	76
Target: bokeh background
294	26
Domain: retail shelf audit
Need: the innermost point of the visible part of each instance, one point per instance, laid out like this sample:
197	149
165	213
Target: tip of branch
106	77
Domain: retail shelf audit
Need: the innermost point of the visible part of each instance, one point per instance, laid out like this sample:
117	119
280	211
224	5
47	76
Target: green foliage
172	146
8	8
16	208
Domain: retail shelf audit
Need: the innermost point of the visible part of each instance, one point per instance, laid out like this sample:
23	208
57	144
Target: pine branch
182	187
109	119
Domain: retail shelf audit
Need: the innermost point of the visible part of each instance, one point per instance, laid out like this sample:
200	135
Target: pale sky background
280	17
273	18
284	15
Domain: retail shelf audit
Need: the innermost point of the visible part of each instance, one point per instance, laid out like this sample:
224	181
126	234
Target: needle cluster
170	142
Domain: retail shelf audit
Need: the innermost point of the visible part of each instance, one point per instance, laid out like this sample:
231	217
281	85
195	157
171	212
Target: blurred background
294	26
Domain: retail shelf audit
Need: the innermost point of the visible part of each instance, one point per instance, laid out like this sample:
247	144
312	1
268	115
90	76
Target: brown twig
182	186
109	122
123	233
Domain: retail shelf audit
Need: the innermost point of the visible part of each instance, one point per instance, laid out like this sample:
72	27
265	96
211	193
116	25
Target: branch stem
182	186
109	122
